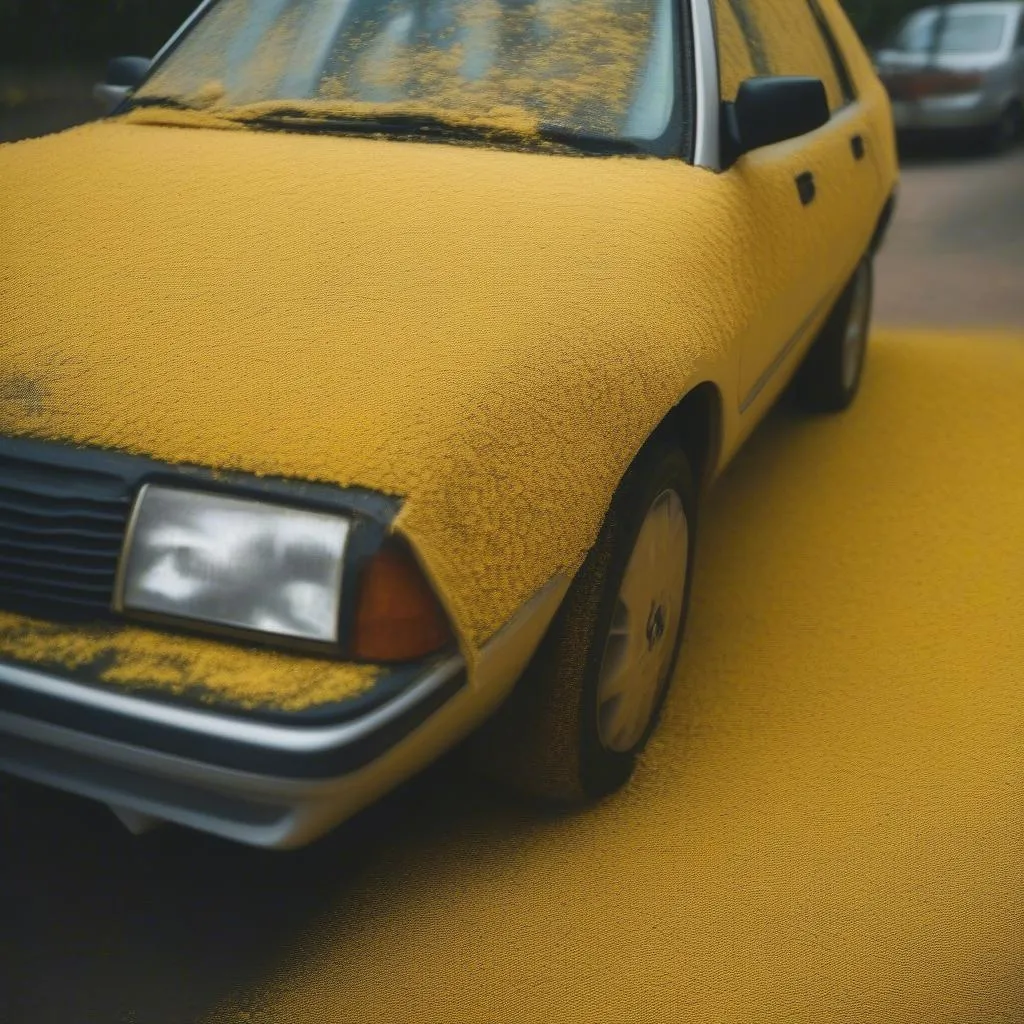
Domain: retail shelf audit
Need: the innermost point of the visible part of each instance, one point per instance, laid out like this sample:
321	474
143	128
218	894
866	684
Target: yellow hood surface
489	334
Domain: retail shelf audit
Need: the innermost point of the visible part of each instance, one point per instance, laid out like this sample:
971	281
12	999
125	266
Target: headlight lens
236	563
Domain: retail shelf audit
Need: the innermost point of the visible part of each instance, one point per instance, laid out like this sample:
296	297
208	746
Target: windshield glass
602	68
951	32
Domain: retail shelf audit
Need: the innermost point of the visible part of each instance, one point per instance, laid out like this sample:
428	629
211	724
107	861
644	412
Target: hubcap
856	336
645	626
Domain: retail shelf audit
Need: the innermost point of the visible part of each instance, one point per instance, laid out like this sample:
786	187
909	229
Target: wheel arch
696	422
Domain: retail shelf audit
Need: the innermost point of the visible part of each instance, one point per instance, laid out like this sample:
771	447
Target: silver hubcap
645	626
856	337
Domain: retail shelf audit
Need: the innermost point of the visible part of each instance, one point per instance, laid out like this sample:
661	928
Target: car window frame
679	141
847	85
761	57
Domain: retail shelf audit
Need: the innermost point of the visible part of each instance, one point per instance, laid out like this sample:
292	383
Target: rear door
814	200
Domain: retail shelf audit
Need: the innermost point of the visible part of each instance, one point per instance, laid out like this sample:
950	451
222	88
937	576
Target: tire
829	379
1007	131
555	739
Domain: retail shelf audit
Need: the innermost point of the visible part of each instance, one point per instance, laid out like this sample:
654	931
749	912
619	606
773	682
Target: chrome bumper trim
289	797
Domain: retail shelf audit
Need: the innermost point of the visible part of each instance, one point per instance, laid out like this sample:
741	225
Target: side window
790	35
1020	33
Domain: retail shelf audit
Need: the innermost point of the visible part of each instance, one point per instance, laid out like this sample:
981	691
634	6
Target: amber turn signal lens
398	616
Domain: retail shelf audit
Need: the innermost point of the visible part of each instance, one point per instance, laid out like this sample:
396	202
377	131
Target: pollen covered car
361	376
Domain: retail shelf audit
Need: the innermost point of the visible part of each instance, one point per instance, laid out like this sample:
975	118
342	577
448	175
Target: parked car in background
958	67
360	381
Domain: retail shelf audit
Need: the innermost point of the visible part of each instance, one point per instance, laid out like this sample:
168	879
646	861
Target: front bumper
272	784
964	112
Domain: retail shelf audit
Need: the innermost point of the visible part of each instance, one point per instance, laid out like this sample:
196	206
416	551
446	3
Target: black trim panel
135	470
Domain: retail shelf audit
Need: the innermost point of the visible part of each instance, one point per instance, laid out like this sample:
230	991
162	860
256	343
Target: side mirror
771	110
124	75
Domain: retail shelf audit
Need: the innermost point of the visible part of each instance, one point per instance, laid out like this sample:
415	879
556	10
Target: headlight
236	563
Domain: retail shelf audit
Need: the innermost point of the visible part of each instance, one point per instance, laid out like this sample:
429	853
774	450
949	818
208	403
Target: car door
813	201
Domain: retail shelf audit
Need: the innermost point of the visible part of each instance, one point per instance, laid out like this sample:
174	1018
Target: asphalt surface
416	909
955	257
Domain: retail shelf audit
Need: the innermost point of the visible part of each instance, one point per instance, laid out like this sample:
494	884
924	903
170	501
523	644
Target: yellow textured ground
829	825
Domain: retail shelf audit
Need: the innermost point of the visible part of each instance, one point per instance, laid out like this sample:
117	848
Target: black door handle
807	187
858	147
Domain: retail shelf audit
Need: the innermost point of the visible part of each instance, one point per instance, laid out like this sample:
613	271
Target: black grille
61	530
64	510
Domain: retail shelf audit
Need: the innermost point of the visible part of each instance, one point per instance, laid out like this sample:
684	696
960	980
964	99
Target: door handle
807	187
858	147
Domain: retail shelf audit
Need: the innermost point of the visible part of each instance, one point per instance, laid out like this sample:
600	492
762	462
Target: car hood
488	334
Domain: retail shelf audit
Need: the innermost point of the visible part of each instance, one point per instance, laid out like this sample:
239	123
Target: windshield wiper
159	101
429	126
588	142
296	117
432	125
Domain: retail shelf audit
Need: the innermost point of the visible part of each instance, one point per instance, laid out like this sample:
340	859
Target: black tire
1007	131
545	742
825	383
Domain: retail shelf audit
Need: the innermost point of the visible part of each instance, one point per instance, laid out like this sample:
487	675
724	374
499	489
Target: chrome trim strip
185	26
289	739
776	364
707	146
117	600
502	659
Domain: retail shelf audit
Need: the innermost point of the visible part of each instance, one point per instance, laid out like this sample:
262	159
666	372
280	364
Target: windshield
603	68
951	32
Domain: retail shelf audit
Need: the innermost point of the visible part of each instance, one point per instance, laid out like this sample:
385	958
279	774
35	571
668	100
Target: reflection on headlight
235	562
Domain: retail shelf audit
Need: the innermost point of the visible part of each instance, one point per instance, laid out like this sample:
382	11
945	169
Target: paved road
955	256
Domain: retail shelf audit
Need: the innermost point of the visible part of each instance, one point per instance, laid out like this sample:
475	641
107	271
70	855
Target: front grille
61	530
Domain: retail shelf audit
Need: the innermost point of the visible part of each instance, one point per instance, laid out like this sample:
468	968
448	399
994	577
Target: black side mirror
771	110
124	74
129	72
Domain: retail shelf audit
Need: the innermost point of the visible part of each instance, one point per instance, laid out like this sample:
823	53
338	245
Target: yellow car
362	373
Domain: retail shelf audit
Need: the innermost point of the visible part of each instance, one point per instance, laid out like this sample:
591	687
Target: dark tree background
56	31
60	31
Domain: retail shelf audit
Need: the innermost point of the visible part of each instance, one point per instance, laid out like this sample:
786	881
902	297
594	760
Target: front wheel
831	374
1007	131
591	698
